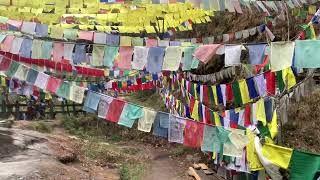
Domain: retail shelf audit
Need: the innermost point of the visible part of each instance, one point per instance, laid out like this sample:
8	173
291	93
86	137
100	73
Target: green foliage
131	172
83	126
116	138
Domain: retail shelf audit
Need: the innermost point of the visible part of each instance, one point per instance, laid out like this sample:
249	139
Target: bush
131	172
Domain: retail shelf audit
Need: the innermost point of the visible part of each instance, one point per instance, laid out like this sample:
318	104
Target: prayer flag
281	55
115	110
304	165
140	56
146	121
129	114
161	125
193	134
172	58
103	106
176	129
232	55
64	90
205	53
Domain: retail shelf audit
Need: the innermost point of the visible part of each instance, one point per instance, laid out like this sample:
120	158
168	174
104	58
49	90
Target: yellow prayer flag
195	90
287	75
244	91
56	32
195	111
217	121
312	9
261	114
252	157
313	34
48	96
215	95
278	155
273	126
106	73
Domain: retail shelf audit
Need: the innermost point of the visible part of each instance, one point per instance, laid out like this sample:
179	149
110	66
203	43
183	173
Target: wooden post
52	115
74	109
67	107
62	106
17	110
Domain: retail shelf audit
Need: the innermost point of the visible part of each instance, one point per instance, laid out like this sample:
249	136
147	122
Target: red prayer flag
115	110
53	84
247	112
193	134
205	95
229	93
5	64
271	82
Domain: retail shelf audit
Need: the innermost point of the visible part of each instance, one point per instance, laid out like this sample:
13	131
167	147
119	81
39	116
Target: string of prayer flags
239	92
41	80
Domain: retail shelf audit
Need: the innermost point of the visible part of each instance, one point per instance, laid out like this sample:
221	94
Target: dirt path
31	155
163	167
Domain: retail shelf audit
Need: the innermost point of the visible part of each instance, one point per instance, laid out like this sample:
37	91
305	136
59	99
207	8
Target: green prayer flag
137	41
306	54
236	93
280	81
129	114
304	165
187	60
46	49
119	84
210	95
264	130
126	72
70	34
195	63
12	69
192	90
110	53
143	79
42	94
64	90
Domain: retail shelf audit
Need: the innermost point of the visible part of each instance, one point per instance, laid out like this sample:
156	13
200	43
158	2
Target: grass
39	126
148	98
131	171
180	150
102	152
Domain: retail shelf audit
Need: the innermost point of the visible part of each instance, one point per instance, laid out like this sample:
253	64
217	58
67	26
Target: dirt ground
26	154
